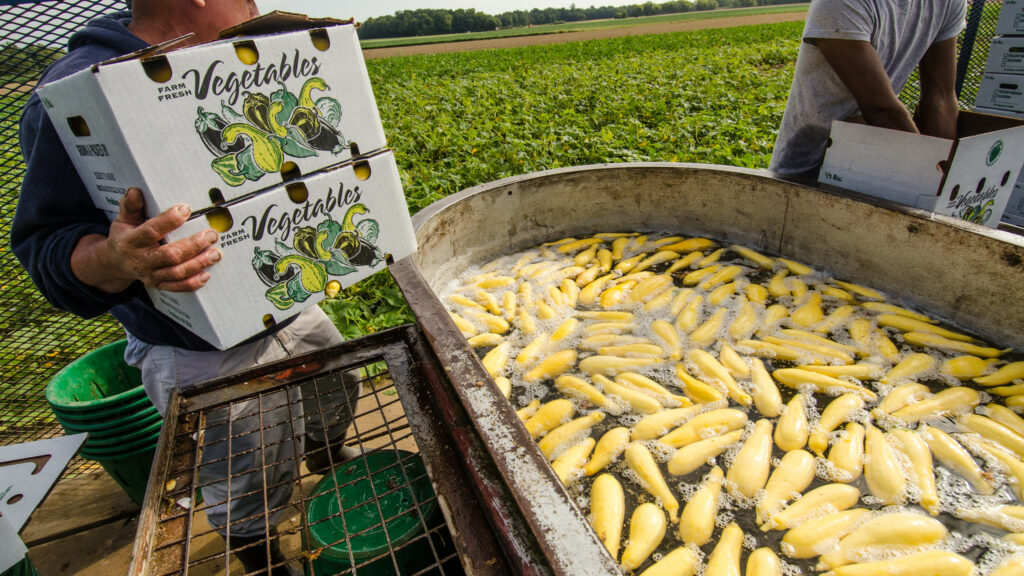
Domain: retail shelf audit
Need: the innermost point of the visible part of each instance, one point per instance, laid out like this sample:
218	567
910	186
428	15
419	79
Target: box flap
147	52
278	21
861	158
973	123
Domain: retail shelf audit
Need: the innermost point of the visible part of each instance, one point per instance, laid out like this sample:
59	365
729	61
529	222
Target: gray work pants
263	436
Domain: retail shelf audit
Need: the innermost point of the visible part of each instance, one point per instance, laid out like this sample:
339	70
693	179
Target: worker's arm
861	71
938	109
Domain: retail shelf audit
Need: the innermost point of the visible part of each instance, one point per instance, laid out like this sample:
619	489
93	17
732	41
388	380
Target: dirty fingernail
204	277
215	256
211	236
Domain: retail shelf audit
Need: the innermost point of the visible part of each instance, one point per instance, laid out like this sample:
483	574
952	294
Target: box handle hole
220	219
79	127
981	186
332	289
157	68
290	171
297	192
247	52
1006	178
321	41
362	170
955	192
268	321
354	148
942	166
216	196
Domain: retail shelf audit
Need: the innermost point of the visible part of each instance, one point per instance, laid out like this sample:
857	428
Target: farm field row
588	25
461	119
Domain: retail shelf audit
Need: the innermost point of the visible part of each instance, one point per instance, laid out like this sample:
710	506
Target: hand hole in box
220	219
362	170
332	289
290	171
942	166
1006	178
354	149
268	321
981	186
79	127
297	192
955	192
15	499
247	52
157	68
321	41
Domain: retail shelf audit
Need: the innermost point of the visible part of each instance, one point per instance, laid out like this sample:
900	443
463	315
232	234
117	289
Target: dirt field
517	41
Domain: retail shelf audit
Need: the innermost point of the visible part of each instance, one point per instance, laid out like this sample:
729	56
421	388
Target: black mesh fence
35	339
972	52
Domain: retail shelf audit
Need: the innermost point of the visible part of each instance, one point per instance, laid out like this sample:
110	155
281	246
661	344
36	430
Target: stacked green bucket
101	395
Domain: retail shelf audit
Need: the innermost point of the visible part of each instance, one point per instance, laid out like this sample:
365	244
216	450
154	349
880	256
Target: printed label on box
292	246
216	122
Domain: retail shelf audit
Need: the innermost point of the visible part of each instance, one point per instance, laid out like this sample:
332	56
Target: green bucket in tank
364	484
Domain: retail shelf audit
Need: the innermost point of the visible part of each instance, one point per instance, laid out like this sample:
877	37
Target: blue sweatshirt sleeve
54	212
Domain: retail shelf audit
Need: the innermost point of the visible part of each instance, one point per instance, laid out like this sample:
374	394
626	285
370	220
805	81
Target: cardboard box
1006	55
220	120
287	248
1014	213
1007	113
1011	17
969	178
1001	92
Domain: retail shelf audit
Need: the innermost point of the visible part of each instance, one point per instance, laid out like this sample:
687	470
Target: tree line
430	22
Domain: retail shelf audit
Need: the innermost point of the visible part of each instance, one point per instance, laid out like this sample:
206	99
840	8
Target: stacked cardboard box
1002	86
272	136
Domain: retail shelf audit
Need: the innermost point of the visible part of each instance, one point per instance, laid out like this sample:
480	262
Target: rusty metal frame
417	375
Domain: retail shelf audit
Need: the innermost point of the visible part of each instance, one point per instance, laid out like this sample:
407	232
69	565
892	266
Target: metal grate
972	52
377	514
35	339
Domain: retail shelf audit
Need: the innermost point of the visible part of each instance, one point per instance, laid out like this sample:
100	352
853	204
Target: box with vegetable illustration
970	177
284	95
290	247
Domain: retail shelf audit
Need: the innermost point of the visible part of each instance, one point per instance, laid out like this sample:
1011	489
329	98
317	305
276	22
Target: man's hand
861	71
132	251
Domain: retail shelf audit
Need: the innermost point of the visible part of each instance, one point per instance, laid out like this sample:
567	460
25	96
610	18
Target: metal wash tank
506	510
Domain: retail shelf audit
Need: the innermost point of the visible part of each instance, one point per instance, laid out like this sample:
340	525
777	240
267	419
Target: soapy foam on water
951	486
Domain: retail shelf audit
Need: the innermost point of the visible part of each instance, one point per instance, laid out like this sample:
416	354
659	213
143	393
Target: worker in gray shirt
855	57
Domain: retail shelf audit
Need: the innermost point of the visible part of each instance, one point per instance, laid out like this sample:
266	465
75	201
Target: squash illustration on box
270	129
330	249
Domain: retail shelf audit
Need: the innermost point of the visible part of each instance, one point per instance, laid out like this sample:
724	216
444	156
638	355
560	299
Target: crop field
462	119
458	120
585	25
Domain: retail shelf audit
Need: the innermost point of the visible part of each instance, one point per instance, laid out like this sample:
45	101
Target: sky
365	9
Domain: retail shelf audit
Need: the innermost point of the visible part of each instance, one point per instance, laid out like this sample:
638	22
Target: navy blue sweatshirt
55	210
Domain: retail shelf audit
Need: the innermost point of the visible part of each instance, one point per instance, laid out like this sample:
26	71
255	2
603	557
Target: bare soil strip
539	39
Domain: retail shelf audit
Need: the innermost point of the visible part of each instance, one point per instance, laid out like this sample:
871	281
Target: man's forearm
937	116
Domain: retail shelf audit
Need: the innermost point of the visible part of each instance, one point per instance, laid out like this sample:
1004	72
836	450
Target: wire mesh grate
243	464
35	339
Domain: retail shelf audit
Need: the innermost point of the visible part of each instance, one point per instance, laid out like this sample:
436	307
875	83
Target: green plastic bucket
23	568
122	411
123	442
117	451
131	471
370	528
99	383
142	418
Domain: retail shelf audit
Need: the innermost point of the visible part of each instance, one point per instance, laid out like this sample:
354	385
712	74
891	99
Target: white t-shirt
901	31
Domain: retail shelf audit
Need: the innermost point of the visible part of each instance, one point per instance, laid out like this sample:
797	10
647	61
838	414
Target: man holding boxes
855	58
88	265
